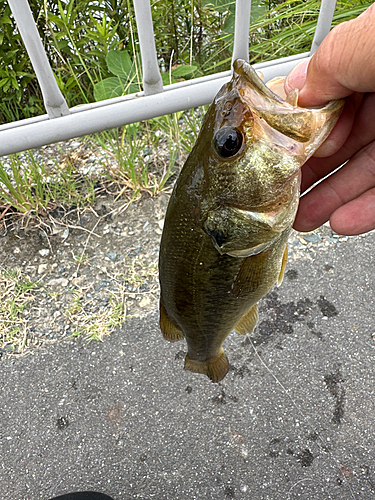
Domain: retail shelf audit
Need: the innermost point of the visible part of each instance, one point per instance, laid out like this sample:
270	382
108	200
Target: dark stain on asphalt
280	317
326	307
291	274
334	383
366	471
62	423
229	492
240	372
311	327
306	458
279	447
222	398
313	436
275	447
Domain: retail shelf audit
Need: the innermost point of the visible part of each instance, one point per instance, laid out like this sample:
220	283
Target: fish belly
204	295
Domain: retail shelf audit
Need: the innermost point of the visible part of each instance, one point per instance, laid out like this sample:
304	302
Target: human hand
343	66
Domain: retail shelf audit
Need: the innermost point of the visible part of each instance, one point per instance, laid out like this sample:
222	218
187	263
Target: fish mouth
307	126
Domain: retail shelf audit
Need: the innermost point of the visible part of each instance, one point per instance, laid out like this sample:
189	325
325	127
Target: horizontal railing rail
61	123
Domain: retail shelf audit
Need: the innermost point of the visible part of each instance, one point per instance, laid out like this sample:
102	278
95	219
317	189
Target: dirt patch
83	273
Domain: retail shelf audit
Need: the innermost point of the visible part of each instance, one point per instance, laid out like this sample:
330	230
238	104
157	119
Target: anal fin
283	266
169	330
248	321
215	368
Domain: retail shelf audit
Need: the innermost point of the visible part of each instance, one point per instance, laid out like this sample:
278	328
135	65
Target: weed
94	326
16	293
140	271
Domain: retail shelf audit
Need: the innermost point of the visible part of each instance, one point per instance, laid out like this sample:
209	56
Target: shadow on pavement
83	495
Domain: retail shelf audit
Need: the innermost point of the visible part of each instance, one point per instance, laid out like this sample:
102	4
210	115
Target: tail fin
215	368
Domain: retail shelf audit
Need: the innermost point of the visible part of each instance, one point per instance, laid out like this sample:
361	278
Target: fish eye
228	141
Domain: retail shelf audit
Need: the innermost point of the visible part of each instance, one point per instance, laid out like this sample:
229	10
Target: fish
224	240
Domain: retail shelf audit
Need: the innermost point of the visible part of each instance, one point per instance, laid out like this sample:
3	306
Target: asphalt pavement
293	419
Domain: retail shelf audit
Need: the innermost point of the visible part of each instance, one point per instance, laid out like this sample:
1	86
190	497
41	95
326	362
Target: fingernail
297	77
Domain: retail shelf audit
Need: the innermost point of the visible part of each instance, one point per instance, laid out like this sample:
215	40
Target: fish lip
243	68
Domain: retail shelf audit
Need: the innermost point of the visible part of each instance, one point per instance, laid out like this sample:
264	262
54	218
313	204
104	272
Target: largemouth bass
224	242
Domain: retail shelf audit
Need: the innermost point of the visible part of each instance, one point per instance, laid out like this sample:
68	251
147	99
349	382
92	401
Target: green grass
17	292
139	157
94	326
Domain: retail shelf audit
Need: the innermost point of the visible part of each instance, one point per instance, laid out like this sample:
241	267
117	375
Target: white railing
61	123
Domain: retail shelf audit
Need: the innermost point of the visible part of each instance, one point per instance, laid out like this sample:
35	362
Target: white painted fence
61	123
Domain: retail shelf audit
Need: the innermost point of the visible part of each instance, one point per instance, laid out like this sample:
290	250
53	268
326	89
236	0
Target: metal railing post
152	81
323	27
241	30
54	101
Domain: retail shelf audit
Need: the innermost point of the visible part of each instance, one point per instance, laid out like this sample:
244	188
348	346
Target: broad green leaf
218	5
108	88
257	10
5	20
7	84
229	24
183	70
119	63
15	84
57	20
22	73
131	88
167	79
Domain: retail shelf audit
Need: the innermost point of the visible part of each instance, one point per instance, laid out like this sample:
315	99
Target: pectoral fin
170	332
283	266
248	321
215	368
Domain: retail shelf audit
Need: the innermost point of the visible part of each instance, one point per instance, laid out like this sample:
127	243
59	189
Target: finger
344	63
355	217
361	134
347	184
342	129
297	77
